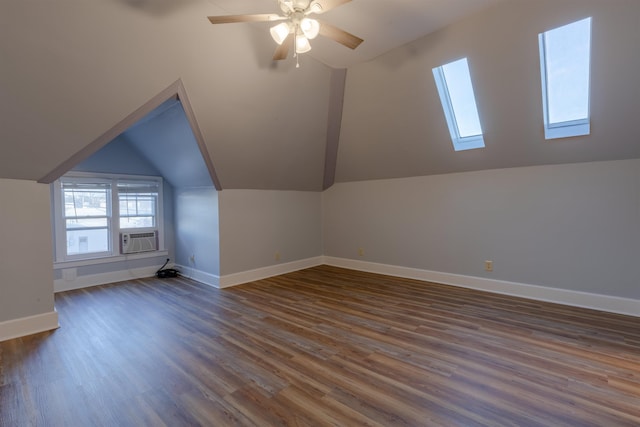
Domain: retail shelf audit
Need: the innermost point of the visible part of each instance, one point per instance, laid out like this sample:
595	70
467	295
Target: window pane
87	241
85	202
87	223
455	89
463	103
567	58
137	222
138	204
147	206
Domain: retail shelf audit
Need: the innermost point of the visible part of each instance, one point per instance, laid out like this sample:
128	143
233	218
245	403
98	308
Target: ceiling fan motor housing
300	6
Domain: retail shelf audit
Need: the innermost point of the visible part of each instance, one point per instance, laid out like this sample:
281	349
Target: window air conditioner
131	243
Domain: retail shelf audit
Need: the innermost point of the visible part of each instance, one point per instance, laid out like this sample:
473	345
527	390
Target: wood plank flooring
322	346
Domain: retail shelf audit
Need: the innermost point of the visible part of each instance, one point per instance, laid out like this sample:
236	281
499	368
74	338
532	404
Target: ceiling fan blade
341	36
230	19
282	51
326	5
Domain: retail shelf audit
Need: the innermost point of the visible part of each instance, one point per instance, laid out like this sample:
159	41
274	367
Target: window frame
460	143
569	128
61	224
141	184
59	218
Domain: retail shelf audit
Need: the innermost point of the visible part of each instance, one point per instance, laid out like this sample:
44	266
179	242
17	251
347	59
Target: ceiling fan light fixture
280	32
315	7
296	27
302	44
310	28
286	6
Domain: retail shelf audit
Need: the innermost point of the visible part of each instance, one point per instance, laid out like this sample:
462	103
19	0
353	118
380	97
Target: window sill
467	143
108	260
567	131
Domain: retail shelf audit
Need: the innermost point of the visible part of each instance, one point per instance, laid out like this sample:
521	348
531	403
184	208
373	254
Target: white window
454	85
86	215
90	211
565	59
138	204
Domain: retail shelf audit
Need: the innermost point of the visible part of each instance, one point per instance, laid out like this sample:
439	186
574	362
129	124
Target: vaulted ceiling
72	70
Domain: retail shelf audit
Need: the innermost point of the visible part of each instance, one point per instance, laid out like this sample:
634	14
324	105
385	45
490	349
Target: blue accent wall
118	157
197	230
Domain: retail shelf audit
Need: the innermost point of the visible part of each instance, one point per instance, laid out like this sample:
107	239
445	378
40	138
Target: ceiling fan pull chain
295	47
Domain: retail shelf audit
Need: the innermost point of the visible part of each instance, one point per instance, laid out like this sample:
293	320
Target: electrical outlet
488	265
192	258
360	252
277	256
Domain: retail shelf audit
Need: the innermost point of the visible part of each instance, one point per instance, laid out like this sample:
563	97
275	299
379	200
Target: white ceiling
383	24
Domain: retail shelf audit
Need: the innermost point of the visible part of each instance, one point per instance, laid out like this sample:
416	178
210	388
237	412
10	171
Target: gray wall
255	224
26	283
197	229
574	226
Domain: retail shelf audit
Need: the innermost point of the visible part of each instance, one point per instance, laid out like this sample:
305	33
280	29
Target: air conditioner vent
131	243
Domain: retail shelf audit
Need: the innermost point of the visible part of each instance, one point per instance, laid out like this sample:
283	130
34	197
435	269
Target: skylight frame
569	128
460	142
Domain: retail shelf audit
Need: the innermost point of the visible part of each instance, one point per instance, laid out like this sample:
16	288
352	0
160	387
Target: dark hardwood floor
323	346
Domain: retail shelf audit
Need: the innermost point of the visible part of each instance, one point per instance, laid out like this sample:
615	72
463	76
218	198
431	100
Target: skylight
459	103
565	58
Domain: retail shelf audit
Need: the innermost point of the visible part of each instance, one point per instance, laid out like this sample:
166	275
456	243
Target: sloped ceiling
399	130
70	70
165	139
73	69
383	24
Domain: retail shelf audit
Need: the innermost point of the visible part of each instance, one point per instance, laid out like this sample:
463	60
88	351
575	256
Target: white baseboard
29	325
270	271
79	282
606	303
199	276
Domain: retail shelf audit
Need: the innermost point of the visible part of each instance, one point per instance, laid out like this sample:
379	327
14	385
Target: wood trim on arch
334	125
177	91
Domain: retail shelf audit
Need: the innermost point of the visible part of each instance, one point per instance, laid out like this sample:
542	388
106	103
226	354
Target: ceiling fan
298	28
